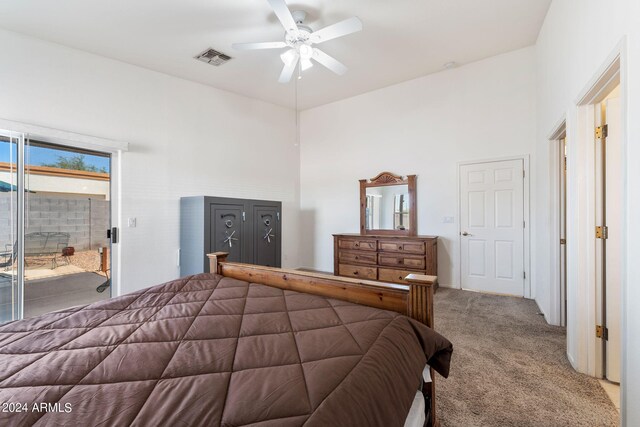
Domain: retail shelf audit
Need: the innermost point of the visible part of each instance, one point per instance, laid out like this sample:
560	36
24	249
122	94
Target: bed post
215	259
420	303
420	307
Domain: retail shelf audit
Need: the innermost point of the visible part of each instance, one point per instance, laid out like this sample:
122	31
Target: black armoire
250	230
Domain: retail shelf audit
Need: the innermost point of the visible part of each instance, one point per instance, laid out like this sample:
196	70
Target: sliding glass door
67	215
55	210
10	292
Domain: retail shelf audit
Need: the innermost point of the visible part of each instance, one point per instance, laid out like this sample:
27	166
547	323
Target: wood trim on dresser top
415	299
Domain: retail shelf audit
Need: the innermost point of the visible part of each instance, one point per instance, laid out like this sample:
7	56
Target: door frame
586	123
76	140
556	294
582	344
526	209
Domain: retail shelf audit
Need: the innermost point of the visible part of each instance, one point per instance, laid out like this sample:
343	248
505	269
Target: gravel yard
88	261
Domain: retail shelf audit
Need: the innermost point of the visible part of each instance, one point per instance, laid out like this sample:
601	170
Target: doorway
492	226
596	230
608	237
561	154
55	202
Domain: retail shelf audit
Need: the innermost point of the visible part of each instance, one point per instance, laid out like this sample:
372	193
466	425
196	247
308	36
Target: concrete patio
53	293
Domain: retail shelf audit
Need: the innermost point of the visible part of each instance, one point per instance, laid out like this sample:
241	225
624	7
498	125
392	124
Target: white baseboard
571	361
446	285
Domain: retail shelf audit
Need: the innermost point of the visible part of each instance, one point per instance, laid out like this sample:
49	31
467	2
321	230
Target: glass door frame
20	229
115	148
17	241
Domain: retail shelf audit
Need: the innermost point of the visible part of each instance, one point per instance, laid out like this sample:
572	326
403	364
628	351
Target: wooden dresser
384	258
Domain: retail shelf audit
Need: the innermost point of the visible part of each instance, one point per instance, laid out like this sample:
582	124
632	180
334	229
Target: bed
244	345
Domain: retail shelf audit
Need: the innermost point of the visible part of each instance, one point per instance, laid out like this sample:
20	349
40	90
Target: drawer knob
355	273
399	261
400	248
400	277
356	257
356	245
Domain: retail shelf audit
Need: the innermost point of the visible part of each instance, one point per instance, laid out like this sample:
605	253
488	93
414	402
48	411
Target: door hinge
602	332
244	216
278	216
563	241
523	173
602	131
524	224
602	232
524	274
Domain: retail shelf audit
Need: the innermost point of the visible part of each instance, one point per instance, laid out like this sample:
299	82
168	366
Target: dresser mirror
388	205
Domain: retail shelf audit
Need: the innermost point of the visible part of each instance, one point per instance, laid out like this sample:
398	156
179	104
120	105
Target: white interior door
492	227
614	221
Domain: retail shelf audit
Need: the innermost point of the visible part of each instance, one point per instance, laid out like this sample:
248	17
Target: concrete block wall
7	219
86	220
100	222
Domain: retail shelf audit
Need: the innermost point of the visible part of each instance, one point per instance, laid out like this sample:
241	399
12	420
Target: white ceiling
401	40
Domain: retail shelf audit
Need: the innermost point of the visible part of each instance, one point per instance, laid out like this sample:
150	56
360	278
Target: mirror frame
381	180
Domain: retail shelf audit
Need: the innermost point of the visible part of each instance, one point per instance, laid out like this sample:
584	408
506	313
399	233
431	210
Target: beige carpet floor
509	367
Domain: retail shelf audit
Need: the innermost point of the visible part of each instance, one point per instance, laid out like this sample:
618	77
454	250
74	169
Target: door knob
464	233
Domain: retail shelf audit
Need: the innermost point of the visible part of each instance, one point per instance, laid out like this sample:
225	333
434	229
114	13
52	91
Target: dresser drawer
393	275
357	244
401	246
402	261
359	257
369	273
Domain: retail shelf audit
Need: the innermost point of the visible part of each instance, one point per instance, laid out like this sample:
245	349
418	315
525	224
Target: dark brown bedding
210	350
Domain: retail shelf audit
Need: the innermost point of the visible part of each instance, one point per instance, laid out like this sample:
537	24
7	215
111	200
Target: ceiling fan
300	39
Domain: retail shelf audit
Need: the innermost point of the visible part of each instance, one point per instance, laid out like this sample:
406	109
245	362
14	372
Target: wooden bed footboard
414	300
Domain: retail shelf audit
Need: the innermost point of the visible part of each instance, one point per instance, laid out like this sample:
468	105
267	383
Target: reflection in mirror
387	207
401	211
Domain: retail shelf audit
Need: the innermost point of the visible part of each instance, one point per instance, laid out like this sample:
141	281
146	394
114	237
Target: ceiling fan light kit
300	39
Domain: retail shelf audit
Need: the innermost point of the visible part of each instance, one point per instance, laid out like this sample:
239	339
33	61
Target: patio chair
8	256
46	244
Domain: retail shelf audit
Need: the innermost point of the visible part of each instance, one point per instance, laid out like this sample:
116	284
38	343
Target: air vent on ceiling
213	57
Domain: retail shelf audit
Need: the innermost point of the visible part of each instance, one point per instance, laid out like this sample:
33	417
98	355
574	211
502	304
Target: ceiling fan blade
264	45
284	15
288	70
329	62
342	28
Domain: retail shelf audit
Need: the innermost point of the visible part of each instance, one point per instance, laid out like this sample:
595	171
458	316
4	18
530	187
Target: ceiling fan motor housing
302	36
299	16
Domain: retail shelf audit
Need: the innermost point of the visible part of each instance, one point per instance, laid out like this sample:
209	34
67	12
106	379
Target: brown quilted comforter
210	350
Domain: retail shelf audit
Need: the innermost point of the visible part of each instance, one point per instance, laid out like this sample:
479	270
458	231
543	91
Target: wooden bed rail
414	300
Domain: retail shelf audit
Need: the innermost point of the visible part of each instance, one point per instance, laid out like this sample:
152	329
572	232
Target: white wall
185	139
424	127
576	39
